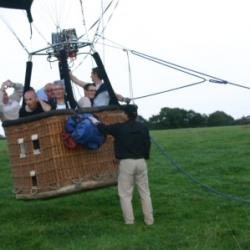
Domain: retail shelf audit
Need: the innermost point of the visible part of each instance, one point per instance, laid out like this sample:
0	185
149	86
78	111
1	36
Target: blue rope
174	163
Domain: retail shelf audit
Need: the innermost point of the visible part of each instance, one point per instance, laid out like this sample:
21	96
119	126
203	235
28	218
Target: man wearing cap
132	146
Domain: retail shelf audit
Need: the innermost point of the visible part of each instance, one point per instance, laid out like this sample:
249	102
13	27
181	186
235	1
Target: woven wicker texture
43	167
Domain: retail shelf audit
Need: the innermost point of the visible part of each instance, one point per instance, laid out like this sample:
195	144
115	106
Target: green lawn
186	215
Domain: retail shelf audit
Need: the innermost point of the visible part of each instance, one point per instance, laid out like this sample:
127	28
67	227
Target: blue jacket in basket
83	131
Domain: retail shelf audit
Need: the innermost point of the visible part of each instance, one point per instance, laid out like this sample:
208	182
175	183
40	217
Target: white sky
212	36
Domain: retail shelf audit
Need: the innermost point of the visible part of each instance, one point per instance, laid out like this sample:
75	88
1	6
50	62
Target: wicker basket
43	167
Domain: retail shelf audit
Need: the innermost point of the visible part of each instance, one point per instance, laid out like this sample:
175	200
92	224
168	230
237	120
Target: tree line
181	118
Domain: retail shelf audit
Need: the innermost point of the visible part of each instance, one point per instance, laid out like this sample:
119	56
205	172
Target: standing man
60	100
89	94
46	93
33	105
132	147
102	97
10	105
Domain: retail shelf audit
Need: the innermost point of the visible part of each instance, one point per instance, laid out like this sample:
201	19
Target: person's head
59	90
130	111
31	99
48	88
90	90
96	75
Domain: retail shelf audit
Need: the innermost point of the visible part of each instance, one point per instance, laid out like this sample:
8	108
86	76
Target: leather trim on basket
36	117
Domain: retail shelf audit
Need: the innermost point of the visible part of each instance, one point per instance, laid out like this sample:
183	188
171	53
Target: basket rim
40	116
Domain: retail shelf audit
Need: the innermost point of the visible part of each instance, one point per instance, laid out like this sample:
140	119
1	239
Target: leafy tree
243	120
2	137
169	118
155	122
219	118
181	118
196	119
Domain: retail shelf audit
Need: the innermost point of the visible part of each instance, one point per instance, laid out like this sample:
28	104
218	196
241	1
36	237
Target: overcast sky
212	36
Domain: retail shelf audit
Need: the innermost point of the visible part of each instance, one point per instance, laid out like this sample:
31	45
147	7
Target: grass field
186	215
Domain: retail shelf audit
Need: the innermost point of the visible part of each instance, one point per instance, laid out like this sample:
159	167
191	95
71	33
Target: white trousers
134	171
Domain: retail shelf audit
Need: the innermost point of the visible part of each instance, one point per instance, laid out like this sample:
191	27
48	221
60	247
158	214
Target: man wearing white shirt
102	97
9	105
89	95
